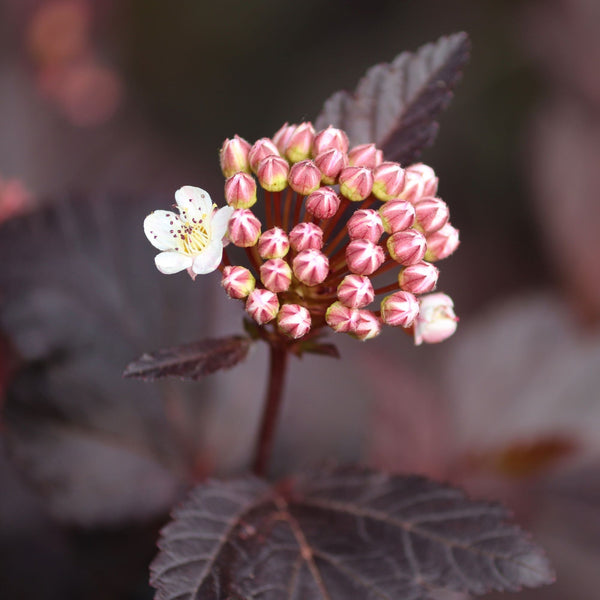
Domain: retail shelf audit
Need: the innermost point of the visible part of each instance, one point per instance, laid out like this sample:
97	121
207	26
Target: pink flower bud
234	156
238	282
418	279
276	275
436	321
365	224
260	150
273	243
364	257
388	181
420	182
294	320
397	215
442	243
262	305
431	214
300	142
407	247
240	190
342	319
355	291
364	155
330	163
272	173
330	139
282	137
356	183
311	267
368	325
428	178
304	177
399	309
244	228
323	203
306	236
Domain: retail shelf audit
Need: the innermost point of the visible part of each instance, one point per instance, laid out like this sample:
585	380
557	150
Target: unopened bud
323	203
356	183
436	321
300	142
306	236
260	150
276	275
273	243
407	247
365	224
397	215
442	243
304	177
311	267
330	163
272	173
330	139
282	137
294	320
238	282
234	156
431	214
428	178
244	228
364	155
364	257
367	326
262	305
340	318
240	190
418	279
355	291
388	181
399	309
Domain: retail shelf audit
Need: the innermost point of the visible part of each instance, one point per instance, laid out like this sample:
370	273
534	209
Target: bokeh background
107	107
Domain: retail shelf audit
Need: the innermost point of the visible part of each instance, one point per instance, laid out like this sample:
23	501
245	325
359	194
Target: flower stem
278	357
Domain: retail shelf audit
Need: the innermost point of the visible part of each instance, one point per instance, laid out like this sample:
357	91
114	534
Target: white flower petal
161	228
220	221
209	259
172	262
193	203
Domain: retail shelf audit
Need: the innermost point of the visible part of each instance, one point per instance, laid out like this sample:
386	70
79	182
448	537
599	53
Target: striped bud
272	173
364	155
260	150
388	181
364	257
306	236
300	142
407	247
330	139
262	305
399	309
418	279
442	243
356	183
237	282
397	215
234	156
431	214
311	267
244	228
355	291
342	319
323	203
294	320
330	163
365	224
276	275
273	243
240	190
304	177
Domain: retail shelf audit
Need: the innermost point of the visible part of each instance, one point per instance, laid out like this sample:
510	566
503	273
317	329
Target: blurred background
107	107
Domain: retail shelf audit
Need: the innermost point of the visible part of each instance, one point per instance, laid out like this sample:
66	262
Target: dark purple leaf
396	104
337	534
190	361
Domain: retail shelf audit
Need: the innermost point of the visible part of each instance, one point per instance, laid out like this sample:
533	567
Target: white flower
193	239
436	320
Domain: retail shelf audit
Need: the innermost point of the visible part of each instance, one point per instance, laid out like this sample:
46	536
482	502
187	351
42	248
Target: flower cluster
336	221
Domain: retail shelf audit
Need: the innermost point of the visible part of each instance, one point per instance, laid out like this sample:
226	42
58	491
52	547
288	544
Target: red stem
278	357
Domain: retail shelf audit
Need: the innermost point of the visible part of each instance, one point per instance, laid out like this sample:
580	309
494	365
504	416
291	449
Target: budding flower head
399	309
436	321
234	156
364	155
388	181
418	279
368	325
311	267
365	224
341	318
192	240
420	182
276	275
273	243
240	191
431	214
244	228
237	281
300	142
356	183
442	243
364	257
323	203
272	173
262	305
294	320
407	247
330	163
355	291
260	150
304	177
305	236
330	139
397	215
282	137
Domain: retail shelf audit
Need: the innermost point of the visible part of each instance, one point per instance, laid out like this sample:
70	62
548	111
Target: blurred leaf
396	104
190	361
316	347
340	533
80	296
